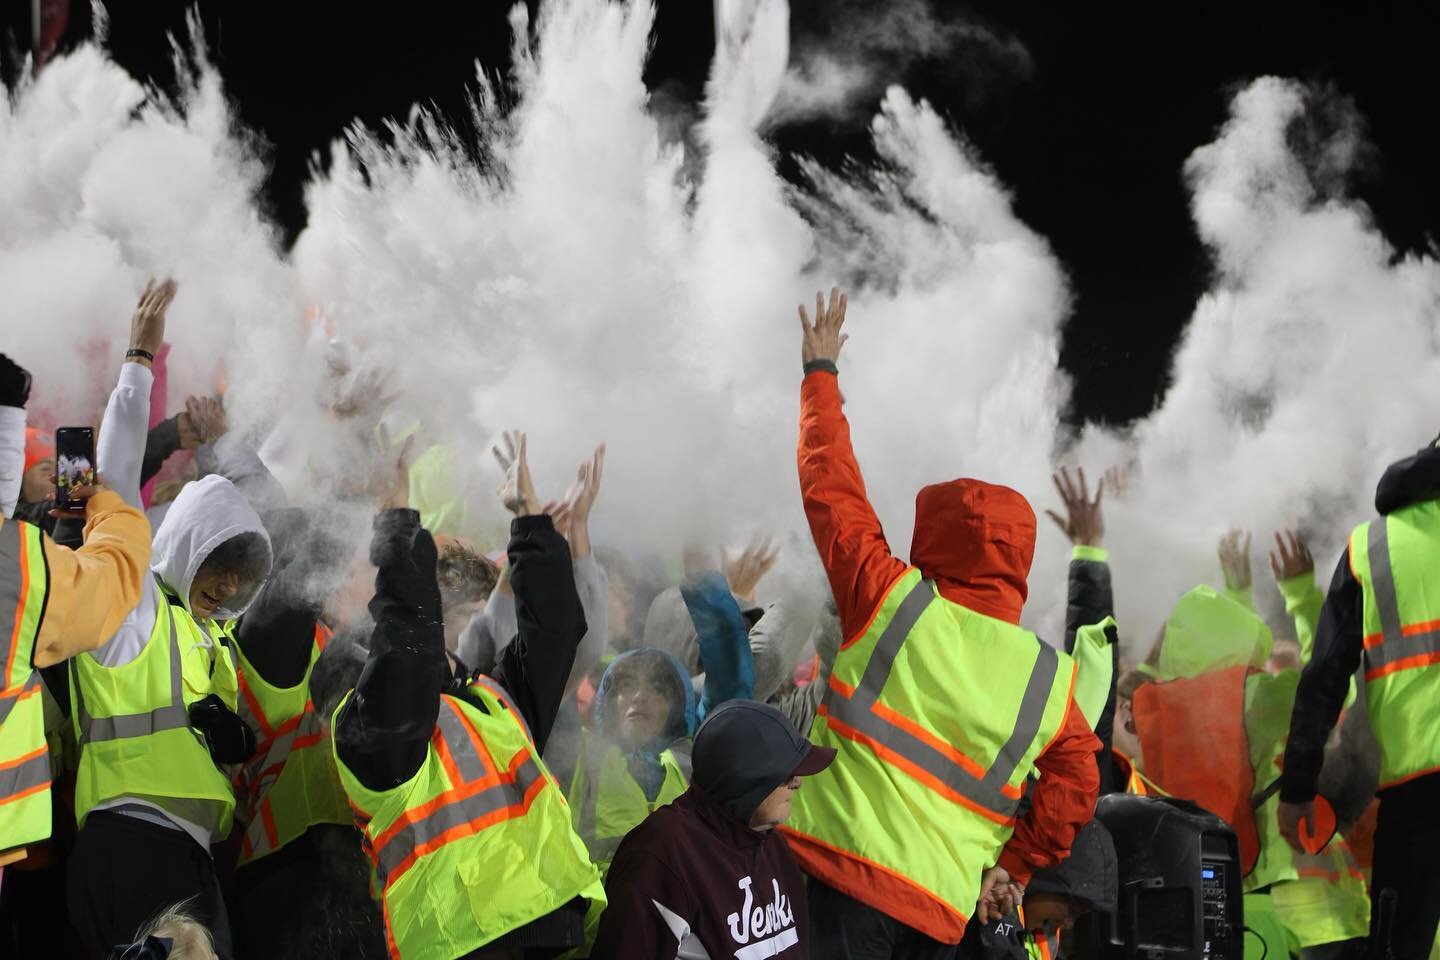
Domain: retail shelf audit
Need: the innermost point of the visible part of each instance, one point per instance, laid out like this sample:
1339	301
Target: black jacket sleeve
162	441
1339	641
384	731
1091	599
535	666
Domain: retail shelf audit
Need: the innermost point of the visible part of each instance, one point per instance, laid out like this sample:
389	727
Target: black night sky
1090	139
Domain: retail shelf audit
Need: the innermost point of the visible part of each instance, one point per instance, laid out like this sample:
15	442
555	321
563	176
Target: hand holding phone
74	467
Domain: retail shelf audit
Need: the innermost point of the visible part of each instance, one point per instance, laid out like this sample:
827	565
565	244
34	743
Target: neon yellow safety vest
1094	669
478	842
24	754
1330	902
1394	559
937	714
133	726
606	802
291	783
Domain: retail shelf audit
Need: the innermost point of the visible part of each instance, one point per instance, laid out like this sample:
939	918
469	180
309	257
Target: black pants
1407	860
125	872
843	928
310	898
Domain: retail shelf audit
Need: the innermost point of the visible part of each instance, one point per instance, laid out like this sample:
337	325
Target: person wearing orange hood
940	706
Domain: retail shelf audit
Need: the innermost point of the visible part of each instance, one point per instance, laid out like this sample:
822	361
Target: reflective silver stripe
11	574
1027	724
452	729
1393	651
1394	645
892	638
34	772
172	716
922	755
8	703
397	849
856	712
1382	579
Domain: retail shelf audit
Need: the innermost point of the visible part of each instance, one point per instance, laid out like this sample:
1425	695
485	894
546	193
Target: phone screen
74	464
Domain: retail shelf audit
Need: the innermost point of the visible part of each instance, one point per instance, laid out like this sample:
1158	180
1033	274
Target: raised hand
824	340
587	485
1293	558
745	570
147	323
1234	553
203	421
388	485
359	392
1083	523
518	490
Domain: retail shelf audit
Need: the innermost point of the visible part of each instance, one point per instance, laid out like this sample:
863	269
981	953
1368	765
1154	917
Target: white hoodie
205	514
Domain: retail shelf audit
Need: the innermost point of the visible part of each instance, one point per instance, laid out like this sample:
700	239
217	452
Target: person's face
642	707
38	483
457	617
775	809
1050	913
210	589
1125	738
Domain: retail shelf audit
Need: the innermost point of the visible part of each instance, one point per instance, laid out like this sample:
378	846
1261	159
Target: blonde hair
191	938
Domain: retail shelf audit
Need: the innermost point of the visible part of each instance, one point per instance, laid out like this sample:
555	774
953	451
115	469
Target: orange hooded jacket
976	541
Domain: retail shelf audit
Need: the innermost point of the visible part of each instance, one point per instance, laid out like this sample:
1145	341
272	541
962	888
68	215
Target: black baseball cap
745	749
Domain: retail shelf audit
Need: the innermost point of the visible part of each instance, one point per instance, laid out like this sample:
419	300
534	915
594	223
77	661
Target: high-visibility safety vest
1094	668
937	714
133	726
605	801
478	842
1394	559
291	783
1330	902
24	754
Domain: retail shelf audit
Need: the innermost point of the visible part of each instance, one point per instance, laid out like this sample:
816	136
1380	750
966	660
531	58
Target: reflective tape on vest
172	716
989	789
1397	646
23	776
10	699
477	798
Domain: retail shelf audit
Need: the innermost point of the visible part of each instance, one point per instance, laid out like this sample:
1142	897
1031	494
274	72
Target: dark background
1090	139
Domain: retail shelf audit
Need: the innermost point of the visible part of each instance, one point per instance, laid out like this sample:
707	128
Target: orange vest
1192	734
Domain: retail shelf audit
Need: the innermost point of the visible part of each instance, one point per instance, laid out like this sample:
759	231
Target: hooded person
1381	616
940	705
1056	897
708	875
154	710
1212	728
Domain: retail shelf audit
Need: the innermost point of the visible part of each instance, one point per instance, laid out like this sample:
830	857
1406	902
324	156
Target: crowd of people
230	727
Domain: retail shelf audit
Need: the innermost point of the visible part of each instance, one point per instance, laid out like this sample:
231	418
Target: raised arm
847	532
92	589
120	454
535	667
1324	683
724	639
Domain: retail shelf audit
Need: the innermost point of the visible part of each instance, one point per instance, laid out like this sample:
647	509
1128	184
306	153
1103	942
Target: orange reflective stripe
255	712
1399	646
10	699
464	813
857	714
25	775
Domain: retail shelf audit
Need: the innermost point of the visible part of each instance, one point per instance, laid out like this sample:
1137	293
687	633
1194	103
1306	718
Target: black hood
1090	874
1410	481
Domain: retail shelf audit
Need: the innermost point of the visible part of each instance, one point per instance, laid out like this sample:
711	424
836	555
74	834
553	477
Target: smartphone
74	464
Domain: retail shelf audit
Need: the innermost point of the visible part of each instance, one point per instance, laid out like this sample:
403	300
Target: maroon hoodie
693	881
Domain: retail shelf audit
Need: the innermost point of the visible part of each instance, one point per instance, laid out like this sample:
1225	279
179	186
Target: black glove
14	383
229	738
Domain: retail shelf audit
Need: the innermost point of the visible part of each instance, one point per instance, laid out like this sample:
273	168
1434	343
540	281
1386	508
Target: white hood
205	514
